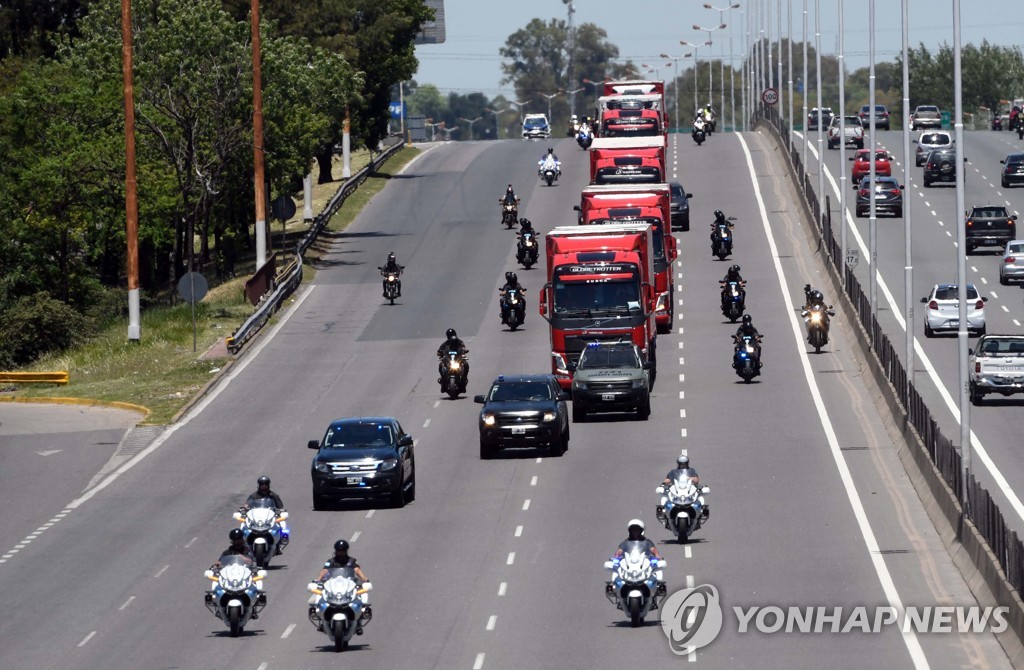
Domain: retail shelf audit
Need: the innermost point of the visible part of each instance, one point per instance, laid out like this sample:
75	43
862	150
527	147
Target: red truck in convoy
628	160
640	203
599	288
641	95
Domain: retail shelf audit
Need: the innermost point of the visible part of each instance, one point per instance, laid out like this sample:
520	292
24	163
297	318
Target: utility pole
572	53
257	140
131	203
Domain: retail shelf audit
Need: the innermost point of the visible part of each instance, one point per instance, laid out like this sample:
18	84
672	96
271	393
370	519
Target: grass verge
161	371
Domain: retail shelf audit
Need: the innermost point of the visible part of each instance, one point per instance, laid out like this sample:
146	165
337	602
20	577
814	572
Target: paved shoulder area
18	418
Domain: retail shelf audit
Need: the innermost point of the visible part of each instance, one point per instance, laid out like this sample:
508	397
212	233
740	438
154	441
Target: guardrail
979	526
34	377
291	275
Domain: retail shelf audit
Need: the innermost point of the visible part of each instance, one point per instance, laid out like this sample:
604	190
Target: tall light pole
961	258
470	122
789	58
804	93
257	140
699	28
743	66
821	154
872	218
496	112
675	83
842	144
696	66
732	93
572	53
908	267
550	98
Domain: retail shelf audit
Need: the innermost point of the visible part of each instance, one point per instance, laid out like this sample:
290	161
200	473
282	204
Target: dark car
680	207
881	117
888	196
368	457
990	225
524	411
1013	170
940	166
825	114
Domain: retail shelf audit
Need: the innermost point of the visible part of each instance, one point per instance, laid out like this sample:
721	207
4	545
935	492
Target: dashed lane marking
355	536
491	621
426	423
533	480
526	504
161	571
126	603
369	514
502	588
511	558
191	542
287	631
519	531
87	638
479	662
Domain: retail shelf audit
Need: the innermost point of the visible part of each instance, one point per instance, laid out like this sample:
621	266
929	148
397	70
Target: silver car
1012	267
928	140
943	312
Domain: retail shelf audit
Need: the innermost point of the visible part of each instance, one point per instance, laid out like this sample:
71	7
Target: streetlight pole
696	66
708	31
821	154
789	58
842	143
803	94
550	97
675	83
495	112
470	122
961	260
572	54
732	71
908	266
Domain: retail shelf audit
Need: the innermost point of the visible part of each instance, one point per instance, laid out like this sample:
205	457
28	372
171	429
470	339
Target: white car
943	312
854	132
929	140
1012	266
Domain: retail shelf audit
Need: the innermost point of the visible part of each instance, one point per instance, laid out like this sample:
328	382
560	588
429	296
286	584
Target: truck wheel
976	395
644	411
579	415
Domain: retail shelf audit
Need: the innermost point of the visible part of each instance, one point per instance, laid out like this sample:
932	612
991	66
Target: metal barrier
291	277
34	377
981	510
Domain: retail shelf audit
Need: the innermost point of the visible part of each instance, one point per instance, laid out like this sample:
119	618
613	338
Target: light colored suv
928	140
854	132
926	116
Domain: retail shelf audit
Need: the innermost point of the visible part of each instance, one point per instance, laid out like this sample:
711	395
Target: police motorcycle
746	357
682	507
513	307
817	320
699	133
237	595
549	169
734	297
390	284
637	584
263	528
585	136
342	606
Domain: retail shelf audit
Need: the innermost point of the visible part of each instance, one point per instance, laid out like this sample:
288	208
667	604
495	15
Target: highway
498	564
997	423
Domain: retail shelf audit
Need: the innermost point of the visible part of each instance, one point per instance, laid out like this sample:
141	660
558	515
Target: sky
469	60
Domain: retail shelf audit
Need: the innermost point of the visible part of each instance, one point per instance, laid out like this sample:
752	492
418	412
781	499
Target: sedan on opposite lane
524	411
366	457
943	312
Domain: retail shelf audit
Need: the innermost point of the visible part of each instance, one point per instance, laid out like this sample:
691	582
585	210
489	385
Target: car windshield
926	108
995	347
677	190
853	121
935	139
1014	159
950	293
609	357
520	391
612	296
989	213
348	435
535	123
1015	248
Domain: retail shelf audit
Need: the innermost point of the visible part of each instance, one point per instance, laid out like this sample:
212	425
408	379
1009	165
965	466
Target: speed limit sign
769	96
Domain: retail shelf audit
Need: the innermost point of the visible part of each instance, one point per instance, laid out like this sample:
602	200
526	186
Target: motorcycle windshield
233	559
640	546
346	572
267	503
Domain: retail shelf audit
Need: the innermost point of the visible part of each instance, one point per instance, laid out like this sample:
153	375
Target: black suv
940	166
990	225
367	457
680	207
1013	170
881	117
524	411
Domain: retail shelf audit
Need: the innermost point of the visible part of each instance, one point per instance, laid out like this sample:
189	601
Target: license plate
352	481
607	396
518	430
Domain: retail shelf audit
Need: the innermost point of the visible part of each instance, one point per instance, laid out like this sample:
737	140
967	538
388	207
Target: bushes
36	325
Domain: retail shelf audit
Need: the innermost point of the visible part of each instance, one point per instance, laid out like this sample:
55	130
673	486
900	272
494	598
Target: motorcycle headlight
388	465
488	419
549	417
515	301
322	467
453	365
529	243
816	317
391	277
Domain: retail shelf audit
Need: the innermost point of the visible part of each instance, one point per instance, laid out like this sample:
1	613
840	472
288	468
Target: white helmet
635	522
683	461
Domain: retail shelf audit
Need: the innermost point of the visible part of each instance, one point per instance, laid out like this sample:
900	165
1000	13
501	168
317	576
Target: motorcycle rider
341	559
813	298
550	155
511	282
510	197
263	492
698	124
746	329
453	343
733	274
635	529
683	469
391	266
238	548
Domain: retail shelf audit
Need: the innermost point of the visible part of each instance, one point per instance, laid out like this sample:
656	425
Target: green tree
29	27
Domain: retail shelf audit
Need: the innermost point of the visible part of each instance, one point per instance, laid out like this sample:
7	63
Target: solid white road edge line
909	636
954	407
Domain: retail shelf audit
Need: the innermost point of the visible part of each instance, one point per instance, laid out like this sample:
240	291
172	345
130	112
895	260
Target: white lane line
682	414
933	213
539	459
682	395
1016	322
926	203
533	480
437	403
984	281
191	542
526	504
479	662
264	665
491	621
87	638
287	631
511	558
502	588
682	377
426	423
680	345
519	531
162	571
682	361
680	330
687	551
355	536
1005	308
682	432
680	304
993	294
22	545
974	269
126	603
369	515
689	581
878	561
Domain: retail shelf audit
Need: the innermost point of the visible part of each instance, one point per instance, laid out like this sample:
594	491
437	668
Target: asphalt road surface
498	564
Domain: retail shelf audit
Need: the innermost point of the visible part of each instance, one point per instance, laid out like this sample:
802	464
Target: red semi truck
631	116
640	203
628	160
599	288
651	95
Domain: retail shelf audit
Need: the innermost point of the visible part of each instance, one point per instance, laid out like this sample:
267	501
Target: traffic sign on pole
770	96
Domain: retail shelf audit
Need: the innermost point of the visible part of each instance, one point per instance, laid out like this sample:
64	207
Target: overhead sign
770	96
397	108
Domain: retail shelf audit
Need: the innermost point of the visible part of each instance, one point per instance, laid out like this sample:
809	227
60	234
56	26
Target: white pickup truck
996	365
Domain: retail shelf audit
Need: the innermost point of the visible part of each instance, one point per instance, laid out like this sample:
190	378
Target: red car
862	164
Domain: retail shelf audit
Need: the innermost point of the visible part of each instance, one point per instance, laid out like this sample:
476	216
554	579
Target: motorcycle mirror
261	574
237	516
208	574
609	565
312	587
731	218
283	516
479	399
313	444
660	489
367	586
706	489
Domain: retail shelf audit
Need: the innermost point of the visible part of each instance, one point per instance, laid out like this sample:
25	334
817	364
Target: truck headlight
488	419
638	383
549	417
581	386
322	467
